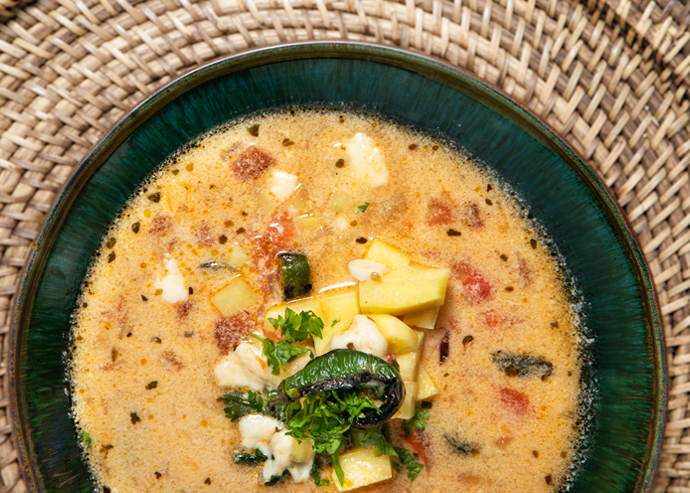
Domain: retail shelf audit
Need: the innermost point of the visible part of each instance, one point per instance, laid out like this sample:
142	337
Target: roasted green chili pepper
296	275
346	369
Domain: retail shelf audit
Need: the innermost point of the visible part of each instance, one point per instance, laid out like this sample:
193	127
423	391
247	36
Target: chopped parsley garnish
247	458
362	208
298	326
316	473
408	460
86	438
280	354
335	322
421	416
325	418
238	405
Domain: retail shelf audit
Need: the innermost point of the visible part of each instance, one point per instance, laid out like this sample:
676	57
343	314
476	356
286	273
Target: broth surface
143	368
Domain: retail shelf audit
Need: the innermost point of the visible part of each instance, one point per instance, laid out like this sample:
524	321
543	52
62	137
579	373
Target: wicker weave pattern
611	76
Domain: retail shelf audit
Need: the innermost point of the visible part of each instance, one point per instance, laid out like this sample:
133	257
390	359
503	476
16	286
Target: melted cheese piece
363	269
172	284
367	161
246	367
364	335
269	436
282	184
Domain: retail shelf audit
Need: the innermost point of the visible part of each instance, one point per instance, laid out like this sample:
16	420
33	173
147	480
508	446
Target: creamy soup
384	243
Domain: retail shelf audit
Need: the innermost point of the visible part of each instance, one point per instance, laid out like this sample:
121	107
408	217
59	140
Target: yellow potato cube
426	388
340	304
297	306
322	346
407	290
408	407
400	337
361	467
383	253
426	319
237	257
236	296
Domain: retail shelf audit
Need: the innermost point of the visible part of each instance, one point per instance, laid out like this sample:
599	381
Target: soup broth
157	320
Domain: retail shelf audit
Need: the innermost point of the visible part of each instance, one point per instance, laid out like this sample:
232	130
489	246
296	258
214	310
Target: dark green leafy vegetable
522	365
297	327
383	446
345	369
247	458
462	447
296	275
276	479
408	460
316	473
86	438
280	354
362	208
238	405
421	416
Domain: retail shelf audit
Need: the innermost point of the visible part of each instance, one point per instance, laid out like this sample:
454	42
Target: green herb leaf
362	208
86	438
338	470
335	322
325	418
316	473
408	460
382	445
298	327
280	354
245	457
238	405
421	416
276	479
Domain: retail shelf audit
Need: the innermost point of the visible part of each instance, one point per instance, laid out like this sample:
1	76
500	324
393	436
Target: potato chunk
297	306
340	304
409	361
408	407
236	296
322	346
426	319
383	253
426	387
400	337
407	290
361	467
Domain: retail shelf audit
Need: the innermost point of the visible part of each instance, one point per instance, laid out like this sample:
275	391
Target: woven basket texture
611	76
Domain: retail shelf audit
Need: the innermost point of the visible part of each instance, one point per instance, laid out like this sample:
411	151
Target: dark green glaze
564	194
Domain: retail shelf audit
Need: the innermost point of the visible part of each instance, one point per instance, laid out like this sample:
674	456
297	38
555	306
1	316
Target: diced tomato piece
160	225
439	212
204	235
252	163
420	443
515	401
477	288
280	230
472	216
491	320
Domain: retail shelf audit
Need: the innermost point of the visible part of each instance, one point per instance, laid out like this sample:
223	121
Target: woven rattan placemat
611	76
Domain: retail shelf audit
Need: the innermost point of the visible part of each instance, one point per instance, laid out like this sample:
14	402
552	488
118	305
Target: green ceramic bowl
585	223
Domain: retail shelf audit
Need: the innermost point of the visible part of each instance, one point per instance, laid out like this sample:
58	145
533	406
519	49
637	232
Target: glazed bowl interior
566	197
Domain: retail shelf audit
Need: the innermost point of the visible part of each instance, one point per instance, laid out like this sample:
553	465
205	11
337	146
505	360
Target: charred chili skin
345	369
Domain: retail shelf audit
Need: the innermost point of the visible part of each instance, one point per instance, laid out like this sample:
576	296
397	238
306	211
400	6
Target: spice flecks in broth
196	267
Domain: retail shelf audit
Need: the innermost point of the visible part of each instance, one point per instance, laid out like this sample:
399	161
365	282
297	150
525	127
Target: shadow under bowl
565	195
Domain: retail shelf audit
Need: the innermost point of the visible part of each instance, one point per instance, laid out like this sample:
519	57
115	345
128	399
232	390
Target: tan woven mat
610	75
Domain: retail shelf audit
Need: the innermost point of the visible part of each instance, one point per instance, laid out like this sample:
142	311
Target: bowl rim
418	62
